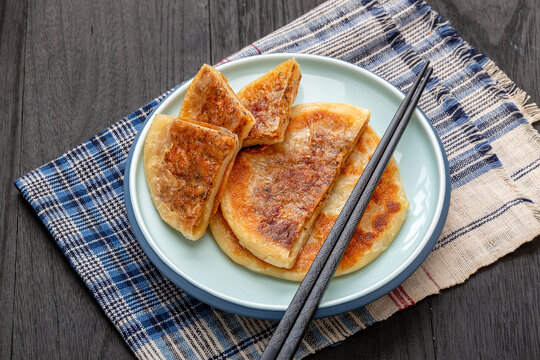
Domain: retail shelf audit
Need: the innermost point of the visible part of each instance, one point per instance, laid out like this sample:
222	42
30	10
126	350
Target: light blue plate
204	271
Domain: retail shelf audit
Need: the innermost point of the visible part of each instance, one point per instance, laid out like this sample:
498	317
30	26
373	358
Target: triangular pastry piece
269	98
275	192
210	99
185	163
384	216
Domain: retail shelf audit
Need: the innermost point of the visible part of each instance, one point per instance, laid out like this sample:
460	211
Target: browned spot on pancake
386	188
361	146
322	228
306	257
209	99
221	110
360	243
392	206
266	107
219	107
380	221
194	159
289	200
367	142
281	230
269	99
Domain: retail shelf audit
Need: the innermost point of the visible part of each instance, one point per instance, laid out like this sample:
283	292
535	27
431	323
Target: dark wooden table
71	68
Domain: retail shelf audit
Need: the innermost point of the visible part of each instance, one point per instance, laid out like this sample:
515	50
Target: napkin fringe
519	96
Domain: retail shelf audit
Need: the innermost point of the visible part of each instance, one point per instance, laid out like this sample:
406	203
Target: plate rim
273	314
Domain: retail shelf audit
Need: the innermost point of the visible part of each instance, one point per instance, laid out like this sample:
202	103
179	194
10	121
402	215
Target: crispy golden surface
209	99
269	98
185	163
275	192
381	222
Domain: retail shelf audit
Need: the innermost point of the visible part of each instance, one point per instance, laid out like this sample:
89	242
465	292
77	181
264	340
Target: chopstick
290	330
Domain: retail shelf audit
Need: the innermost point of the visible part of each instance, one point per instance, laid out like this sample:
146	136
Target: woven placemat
482	118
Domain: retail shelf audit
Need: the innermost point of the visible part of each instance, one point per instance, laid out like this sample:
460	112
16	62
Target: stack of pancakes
281	194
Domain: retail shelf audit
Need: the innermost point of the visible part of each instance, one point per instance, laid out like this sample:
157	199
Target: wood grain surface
68	69
12	35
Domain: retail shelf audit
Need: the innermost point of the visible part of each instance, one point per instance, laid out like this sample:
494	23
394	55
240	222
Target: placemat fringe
518	95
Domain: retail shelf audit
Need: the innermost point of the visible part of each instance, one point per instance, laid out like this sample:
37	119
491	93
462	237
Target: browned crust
185	163
384	216
210	99
269	98
274	192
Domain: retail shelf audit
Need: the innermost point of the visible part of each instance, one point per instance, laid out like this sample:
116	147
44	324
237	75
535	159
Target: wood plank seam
433	339
210	55
20	80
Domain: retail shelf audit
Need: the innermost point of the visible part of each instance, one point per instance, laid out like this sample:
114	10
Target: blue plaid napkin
483	120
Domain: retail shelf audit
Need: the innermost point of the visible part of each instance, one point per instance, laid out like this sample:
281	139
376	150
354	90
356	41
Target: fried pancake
269	98
209	99
185	163
275	192
380	224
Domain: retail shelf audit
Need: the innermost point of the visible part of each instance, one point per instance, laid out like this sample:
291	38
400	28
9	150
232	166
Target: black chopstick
290	330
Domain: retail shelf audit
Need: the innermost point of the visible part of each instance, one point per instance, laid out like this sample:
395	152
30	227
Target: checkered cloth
482	118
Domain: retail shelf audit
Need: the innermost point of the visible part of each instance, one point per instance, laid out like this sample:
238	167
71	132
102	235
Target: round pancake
275	192
380	224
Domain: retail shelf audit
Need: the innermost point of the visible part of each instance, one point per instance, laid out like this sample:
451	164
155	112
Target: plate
201	269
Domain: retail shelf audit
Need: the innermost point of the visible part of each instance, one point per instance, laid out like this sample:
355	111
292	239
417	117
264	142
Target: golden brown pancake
269	98
209	99
185	163
275	192
380	224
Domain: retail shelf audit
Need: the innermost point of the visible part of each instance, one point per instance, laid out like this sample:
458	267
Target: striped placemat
483	120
